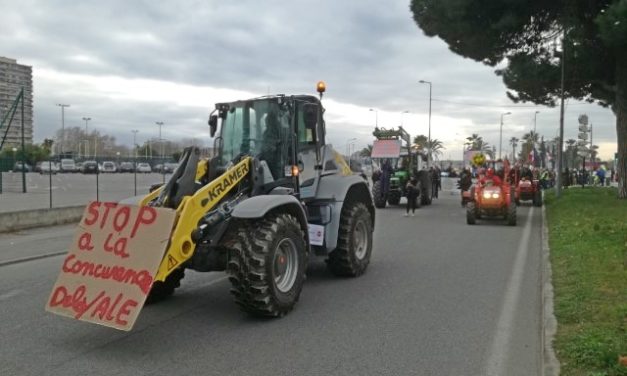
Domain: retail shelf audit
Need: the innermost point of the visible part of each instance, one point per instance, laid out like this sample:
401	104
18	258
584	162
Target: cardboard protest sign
386	149
109	269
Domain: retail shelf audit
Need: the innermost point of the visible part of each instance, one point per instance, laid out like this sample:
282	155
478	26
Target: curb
23	220
31	258
551	366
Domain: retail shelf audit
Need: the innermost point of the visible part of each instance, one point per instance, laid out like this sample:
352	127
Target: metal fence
48	186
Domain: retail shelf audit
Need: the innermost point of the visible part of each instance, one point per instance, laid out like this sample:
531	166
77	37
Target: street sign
583	119
582	143
583	136
583	153
583	128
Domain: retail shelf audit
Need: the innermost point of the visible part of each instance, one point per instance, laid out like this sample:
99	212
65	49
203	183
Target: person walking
435	181
412	191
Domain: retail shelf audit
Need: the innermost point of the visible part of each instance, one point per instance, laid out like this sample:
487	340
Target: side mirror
213	125
310	115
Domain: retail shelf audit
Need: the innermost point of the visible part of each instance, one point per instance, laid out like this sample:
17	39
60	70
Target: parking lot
70	189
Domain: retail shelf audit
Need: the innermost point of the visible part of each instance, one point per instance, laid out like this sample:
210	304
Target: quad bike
464	184
274	195
529	190
490	200
397	164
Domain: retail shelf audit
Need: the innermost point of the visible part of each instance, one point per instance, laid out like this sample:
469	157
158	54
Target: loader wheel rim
360	239
285	265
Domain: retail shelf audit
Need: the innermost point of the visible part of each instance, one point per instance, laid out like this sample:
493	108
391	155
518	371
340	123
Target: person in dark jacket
412	191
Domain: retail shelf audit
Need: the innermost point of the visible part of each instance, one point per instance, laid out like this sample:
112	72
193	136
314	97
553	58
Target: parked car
48	167
108	166
144	167
68	165
18	167
37	167
126	167
170	167
90	167
158	168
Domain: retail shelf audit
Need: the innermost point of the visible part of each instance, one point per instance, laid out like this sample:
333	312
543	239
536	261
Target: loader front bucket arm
191	210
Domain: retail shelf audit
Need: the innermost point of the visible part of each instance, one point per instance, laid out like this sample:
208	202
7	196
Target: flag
531	157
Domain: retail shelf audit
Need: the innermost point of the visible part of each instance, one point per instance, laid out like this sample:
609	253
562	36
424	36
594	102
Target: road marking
499	350
31	258
9	294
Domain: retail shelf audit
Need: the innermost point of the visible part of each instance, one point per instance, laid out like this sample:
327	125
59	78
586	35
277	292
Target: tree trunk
620	109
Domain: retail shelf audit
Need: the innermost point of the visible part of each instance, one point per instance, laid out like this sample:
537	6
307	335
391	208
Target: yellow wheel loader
273	195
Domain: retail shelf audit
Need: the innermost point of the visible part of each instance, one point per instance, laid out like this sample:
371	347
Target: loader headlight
488	195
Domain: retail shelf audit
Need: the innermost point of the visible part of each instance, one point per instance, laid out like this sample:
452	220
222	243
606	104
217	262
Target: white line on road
9	294
499	351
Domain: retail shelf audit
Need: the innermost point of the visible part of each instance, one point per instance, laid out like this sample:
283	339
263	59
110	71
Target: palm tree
420	142
514	142
475	142
366	152
435	147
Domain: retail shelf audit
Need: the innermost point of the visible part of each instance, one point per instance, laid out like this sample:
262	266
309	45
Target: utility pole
63	106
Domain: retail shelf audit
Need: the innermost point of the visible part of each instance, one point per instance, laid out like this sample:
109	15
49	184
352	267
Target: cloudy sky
129	64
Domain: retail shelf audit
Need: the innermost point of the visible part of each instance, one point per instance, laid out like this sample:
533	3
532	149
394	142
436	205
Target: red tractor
529	190
491	197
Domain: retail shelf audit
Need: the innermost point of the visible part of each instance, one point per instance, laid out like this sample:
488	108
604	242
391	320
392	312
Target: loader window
306	136
259	128
232	134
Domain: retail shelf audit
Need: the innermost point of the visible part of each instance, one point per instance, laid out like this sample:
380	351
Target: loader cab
283	133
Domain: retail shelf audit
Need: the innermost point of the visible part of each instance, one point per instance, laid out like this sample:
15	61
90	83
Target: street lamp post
535	118
160	123
63	106
560	141
376	117
501	133
86	119
135	160
403	113
429	152
135	142
348	149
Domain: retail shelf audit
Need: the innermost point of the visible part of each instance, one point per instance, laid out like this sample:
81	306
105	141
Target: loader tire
267	263
354	246
377	194
162	290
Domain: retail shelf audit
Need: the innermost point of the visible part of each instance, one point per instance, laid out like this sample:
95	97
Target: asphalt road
439	298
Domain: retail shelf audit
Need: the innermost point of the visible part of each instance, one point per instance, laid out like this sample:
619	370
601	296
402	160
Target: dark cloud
370	53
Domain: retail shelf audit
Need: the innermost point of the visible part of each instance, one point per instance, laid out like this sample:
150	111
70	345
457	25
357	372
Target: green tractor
397	164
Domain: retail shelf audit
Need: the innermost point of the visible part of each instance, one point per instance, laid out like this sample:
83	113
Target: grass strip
588	241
